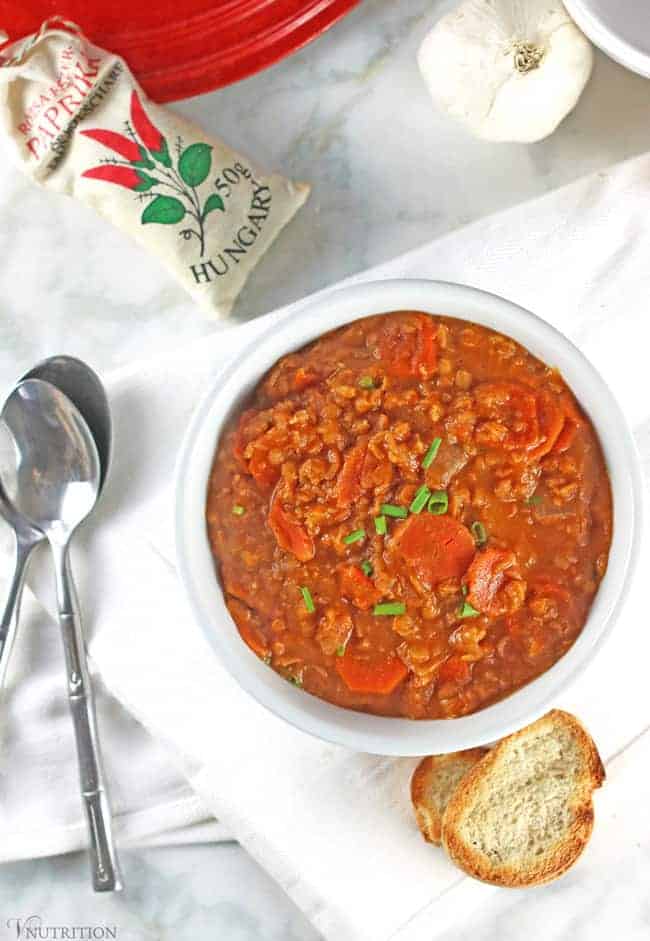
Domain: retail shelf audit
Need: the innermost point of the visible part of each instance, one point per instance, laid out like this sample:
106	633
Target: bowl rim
617	47
304	322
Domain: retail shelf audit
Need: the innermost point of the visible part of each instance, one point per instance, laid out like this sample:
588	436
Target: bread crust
562	854
428	813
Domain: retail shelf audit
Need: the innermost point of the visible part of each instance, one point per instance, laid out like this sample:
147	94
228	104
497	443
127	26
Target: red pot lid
179	48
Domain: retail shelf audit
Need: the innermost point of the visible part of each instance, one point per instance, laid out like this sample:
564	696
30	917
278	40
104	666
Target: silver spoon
85	390
58	479
26	538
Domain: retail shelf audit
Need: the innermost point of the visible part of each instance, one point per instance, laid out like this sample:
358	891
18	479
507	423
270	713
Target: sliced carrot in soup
380	675
289	534
485	576
437	547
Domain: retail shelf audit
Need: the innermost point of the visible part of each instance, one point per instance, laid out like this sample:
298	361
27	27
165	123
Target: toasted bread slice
433	782
524	814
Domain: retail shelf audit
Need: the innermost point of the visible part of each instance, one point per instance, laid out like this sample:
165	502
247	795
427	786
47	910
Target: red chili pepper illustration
148	133
121	145
171	192
123	176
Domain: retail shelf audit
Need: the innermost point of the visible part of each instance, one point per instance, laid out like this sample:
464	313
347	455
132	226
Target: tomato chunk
252	425
349	479
454	670
241	434
559	421
485	576
237	586
303	378
549	589
263	472
289	534
509	413
565	438
551	422
572	422
357	587
248	628
437	547
408	347
379	675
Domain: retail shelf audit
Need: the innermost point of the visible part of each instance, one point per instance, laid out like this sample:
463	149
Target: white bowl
377	734
620	29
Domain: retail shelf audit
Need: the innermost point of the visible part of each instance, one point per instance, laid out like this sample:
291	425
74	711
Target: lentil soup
411	516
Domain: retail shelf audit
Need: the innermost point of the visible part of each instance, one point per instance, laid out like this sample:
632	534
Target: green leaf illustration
194	163
163	209
162	155
144	161
213	202
145	182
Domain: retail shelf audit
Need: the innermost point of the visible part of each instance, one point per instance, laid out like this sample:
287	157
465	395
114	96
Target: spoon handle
11	613
105	867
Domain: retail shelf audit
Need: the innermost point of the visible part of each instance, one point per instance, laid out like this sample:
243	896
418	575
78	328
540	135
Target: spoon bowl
57	462
84	389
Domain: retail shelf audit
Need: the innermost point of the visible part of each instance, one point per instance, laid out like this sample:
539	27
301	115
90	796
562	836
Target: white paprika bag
79	123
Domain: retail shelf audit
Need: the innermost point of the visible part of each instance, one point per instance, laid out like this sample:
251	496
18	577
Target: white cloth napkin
335	828
40	814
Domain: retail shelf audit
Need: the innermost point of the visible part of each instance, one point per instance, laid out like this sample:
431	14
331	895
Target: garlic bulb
511	70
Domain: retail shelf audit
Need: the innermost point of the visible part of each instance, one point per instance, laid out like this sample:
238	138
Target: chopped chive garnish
467	611
307	598
238	510
267	659
420	499
389	607
430	456
479	533
380	525
295	679
367	382
355	536
534	500
366	568
340	651
438	502
463	590
389	509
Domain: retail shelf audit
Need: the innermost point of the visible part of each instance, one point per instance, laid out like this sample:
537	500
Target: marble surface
350	114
